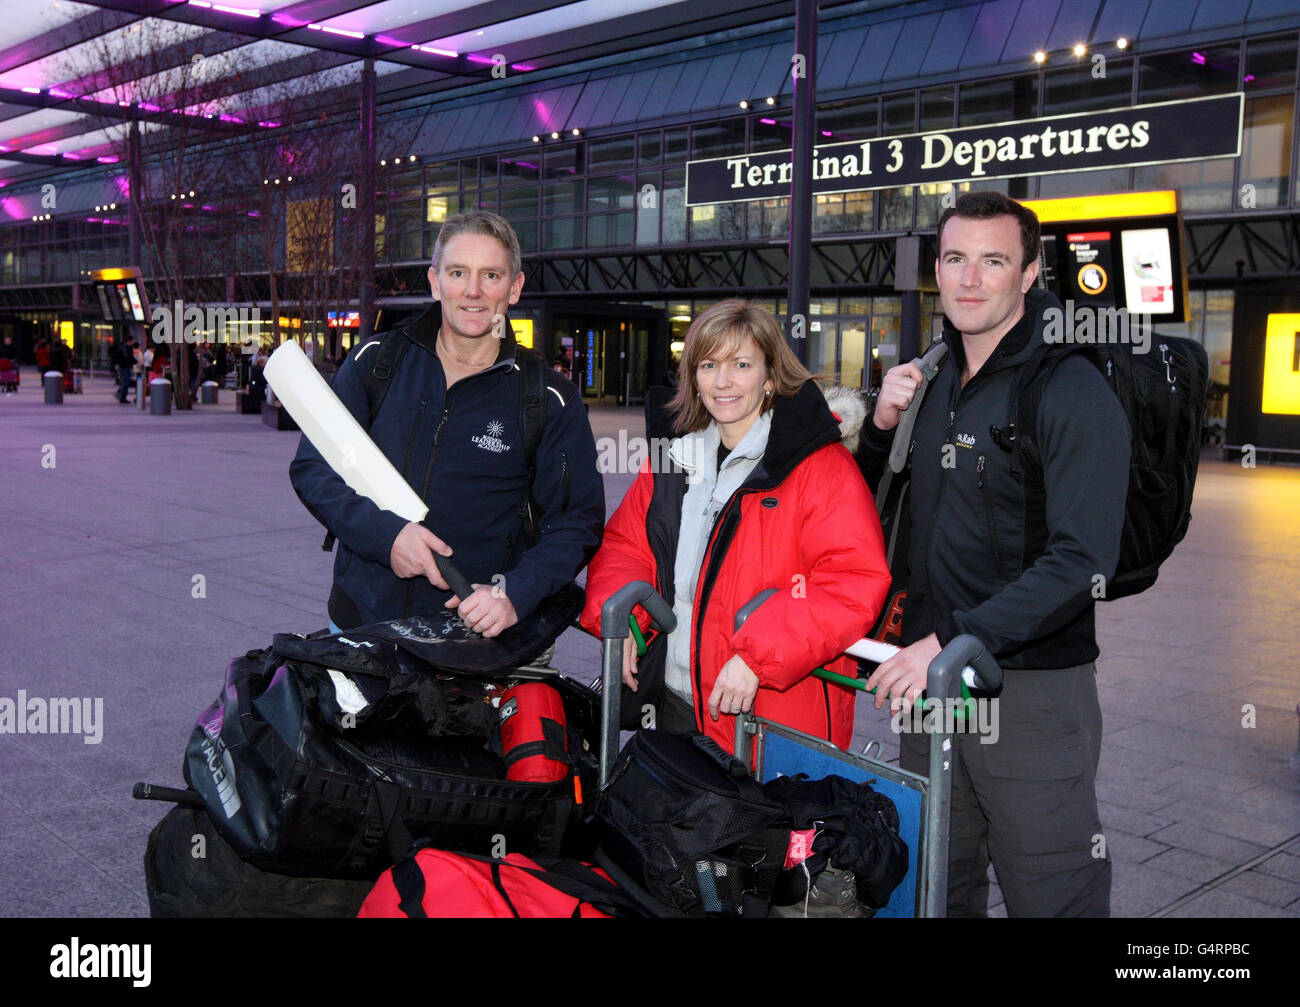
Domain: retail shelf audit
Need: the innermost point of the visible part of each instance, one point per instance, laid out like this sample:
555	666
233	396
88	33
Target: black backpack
1163	394
532	410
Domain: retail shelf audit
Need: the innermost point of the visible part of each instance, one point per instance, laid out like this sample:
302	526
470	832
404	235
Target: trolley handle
614	627
962	651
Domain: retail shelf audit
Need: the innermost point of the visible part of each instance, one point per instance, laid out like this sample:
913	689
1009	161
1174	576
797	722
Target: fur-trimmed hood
849	408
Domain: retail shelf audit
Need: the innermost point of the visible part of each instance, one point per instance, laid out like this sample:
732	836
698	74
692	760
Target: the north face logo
491	441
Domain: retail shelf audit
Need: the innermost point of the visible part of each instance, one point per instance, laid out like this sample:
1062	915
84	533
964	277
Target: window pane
1266	150
842	211
1203	185
406	182
565	162
617	153
487	167
853	353
527	231
772	133
610	229
441	176
936	108
612	192
999	101
1083	183
563	196
439	208
469	172
718	139
715	221
1190	73
1075	89
675	146
647	152
821	347
562	232
648	197
516	171
519	202
770	218
896	209
900	114
847	120
1270	62
674	205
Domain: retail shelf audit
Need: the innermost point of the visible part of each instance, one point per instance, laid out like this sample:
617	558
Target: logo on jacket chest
966	441
491	441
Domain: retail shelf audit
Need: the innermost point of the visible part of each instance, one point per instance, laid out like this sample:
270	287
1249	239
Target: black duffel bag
683	827
190	871
327	757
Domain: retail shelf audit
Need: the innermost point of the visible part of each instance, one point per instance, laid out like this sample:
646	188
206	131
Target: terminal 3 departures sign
1163	132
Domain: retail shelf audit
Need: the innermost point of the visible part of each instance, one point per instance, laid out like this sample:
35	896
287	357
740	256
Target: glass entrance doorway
611	353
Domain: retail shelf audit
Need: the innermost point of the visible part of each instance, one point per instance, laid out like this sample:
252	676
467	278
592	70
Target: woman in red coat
759	493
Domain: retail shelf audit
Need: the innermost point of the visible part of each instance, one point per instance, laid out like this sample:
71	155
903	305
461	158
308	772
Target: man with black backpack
1010	542
494	441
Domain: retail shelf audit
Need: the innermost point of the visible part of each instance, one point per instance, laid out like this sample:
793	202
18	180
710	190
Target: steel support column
366	226
803	66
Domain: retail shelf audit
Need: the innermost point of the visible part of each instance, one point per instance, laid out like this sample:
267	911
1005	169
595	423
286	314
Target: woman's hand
734	690
629	662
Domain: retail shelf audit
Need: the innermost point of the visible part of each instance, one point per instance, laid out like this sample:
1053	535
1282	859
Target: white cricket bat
874	650
336	434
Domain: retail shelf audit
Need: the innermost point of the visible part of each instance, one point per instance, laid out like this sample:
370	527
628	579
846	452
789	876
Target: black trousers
1028	801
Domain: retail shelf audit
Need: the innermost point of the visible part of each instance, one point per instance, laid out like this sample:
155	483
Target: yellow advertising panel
523	330
1107	207
1282	366
66	331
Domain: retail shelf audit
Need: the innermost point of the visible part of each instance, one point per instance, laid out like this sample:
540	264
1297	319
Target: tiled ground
100	550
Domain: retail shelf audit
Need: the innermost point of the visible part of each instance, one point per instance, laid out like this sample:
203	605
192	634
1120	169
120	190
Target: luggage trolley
923	802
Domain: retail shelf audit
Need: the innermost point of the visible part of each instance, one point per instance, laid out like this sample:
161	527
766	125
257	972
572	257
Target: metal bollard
208	393
53	381
141	391
160	397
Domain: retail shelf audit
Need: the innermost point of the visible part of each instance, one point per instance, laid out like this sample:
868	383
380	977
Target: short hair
987	205
719	329
480	222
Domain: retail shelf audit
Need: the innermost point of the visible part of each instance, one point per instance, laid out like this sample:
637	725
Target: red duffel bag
439	884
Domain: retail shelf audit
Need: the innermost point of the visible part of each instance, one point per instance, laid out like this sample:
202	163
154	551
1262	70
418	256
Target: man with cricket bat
451	419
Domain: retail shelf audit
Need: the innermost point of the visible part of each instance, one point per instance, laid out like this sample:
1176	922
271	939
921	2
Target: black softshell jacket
981	560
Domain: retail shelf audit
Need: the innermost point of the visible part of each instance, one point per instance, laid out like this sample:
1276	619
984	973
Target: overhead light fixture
771	100
577	131
290	179
112	206
1080	49
383	163
555	136
191	193
411	159
744	103
1121	43
1040	56
536	138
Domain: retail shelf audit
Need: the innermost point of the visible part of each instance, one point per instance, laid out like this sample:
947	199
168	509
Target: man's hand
487	611
901	679
412	554
896	392
734	690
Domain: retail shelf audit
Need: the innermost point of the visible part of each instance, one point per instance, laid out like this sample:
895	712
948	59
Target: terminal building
227	152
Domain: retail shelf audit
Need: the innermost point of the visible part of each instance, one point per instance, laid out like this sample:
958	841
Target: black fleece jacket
982	559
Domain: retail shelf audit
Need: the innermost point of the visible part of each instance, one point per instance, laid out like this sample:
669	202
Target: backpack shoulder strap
532	424
384	363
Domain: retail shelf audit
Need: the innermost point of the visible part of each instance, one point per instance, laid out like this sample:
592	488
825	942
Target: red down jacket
803	523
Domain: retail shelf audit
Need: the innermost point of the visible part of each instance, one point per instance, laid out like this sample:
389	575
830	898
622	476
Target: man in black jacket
1013	562
450	422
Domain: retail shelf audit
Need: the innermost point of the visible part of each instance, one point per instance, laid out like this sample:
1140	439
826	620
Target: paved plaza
108	515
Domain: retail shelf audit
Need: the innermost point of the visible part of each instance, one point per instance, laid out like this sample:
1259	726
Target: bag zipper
358	753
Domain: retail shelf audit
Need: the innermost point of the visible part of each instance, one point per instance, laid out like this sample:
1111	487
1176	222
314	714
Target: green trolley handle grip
640	640
959	712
